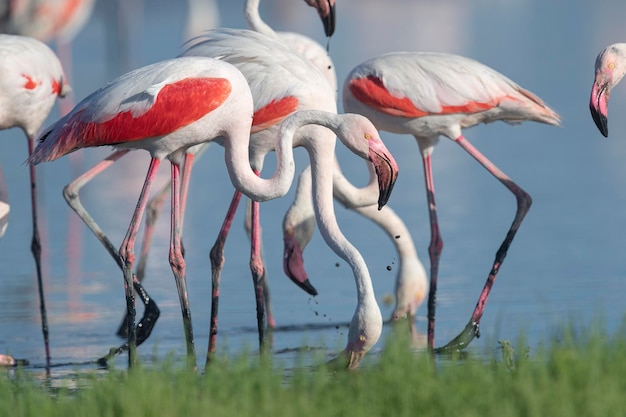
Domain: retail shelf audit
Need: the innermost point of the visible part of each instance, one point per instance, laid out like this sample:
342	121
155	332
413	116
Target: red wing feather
273	113
372	92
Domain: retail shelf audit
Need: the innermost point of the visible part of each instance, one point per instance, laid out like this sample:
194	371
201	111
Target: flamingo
298	225
281	82
428	95
308	48
32	79
609	70
218	107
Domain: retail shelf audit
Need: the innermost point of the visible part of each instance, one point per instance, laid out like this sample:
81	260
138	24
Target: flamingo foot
144	329
471	331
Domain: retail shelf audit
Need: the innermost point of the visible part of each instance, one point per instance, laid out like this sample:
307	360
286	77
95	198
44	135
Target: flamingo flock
256	91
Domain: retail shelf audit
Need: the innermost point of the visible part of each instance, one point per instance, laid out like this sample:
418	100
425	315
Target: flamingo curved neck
254	19
322	172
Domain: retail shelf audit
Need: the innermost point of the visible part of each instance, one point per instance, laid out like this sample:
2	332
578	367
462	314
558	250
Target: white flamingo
31	79
428	95
281	82
312	51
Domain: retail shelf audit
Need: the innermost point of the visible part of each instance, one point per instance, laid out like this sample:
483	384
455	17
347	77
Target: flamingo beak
327	14
348	359
386	170
293	264
599	105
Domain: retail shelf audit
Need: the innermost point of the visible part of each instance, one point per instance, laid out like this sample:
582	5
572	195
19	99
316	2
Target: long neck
322	155
254	19
244	177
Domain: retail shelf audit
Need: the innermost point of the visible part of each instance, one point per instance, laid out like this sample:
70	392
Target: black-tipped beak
329	19
598	105
293	265
308	287
387	172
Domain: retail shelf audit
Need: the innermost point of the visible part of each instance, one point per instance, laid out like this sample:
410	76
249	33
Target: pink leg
434	249
271	322
524	202
177	261
217	263
152	214
127	258
153	210
35	247
258	271
70	192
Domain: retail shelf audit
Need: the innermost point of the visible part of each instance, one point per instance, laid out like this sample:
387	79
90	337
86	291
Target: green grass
579	374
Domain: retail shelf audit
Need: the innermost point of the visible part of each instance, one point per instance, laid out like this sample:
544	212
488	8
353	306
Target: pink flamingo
282	81
144	110
609	70
304	45
32	79
428	95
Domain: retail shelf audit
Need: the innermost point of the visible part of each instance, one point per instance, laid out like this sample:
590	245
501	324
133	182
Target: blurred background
566	264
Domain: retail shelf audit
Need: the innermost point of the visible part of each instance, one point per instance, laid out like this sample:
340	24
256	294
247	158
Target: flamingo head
609	70
360	136
365	330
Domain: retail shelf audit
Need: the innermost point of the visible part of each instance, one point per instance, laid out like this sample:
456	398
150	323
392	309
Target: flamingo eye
367	136
611	66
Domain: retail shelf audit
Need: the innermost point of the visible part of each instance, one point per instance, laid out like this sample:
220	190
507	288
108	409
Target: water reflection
565	262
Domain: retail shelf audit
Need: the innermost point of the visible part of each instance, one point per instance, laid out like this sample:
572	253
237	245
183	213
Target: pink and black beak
327	14
386	170
599	103
293	262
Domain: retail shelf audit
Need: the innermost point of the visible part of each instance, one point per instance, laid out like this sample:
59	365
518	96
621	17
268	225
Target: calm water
566	264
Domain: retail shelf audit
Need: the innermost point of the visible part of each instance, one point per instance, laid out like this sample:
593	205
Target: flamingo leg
153	209
258	270
177	261
217	263
524	202
127	257
152	214
35	247
434	249
70	192
271	322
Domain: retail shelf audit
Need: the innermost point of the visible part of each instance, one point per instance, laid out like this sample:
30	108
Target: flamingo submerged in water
609	70
428	95
282	82
31	79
